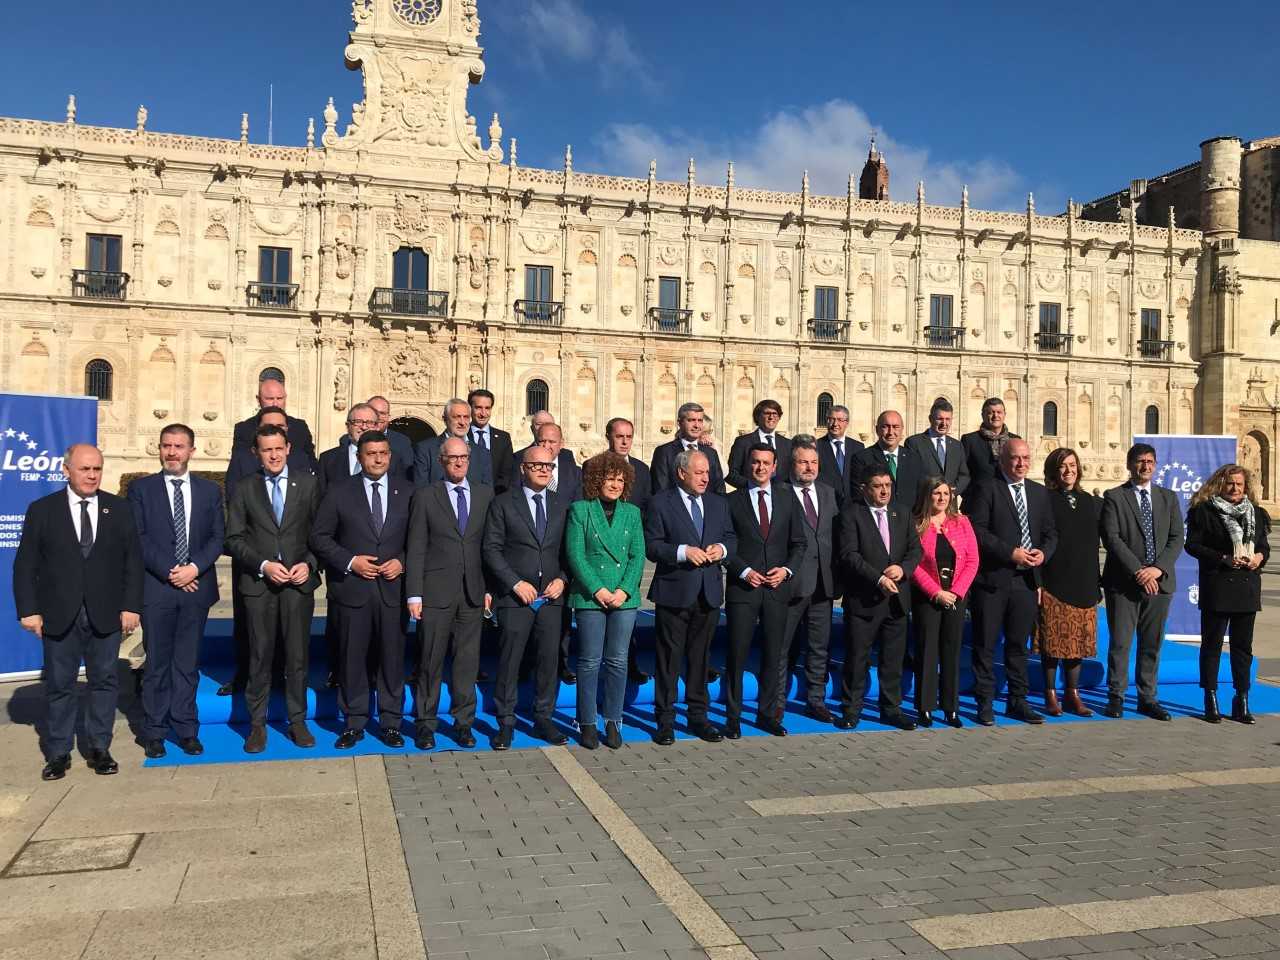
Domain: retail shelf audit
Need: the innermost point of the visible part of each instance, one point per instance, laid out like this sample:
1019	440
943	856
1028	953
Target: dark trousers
938	637
1129	612
517	625
808	633
443	630
1010	611
772	614
378	626
886	626
682	638
62	657
279	615
1213	626
171	633
239	630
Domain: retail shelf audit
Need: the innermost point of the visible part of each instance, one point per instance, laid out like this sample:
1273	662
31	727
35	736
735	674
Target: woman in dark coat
1068	627
1227	533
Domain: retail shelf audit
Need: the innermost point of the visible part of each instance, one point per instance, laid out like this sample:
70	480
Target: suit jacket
299	435
501	452
442	560
959	533
829	471
907	484
568	474
427	468
662	468
245	463
642	486
335	465
740	470
343	529
994	516
1224	588
401	451
52	579
982	463
785	546
864	558
512	551
816	577
601	555
956	469
667	527
1122	536
253	537
206	535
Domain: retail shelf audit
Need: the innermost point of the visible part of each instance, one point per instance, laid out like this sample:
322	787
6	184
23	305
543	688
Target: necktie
882	522
696	512
461	494
86	530
376	508
181	550
539	517
768	438
892	460
555	478
1020	504
764	514
480	442
942	451
277	500
1148	528
840	456
810	511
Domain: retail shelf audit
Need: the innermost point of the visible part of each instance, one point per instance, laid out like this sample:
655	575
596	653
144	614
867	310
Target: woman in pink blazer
942	581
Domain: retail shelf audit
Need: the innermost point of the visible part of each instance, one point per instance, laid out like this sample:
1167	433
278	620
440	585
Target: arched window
98	379
537	396
1049	421
825	403
1152	419
271	373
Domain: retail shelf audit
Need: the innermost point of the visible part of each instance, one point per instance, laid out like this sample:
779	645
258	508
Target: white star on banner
11	432
23	436
31	444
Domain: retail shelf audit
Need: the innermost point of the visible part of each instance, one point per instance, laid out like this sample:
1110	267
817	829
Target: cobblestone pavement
505	859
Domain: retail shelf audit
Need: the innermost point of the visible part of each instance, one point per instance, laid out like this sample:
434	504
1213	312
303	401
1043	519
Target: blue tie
1148	529
696	511
539	517
462	508
375	508
181	550
277	500
840	456
942	452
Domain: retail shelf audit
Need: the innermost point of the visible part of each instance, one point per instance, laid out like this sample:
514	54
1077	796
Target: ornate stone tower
1220	187
874	183
1220	285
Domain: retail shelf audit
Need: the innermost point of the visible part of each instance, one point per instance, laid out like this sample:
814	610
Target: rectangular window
669	293
410	269
103	253
826	303
940	310
1150	324
275	265
537	284
1050	318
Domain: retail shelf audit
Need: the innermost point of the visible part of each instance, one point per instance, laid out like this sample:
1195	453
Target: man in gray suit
427	464
816	584
267	529
444	583
1142	531
941	454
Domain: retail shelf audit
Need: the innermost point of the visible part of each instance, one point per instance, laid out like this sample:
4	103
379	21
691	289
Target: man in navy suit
180	522
767	414
688	535
691	422
427	466
903	463
497	442
340	462
359	534
838	454
941	455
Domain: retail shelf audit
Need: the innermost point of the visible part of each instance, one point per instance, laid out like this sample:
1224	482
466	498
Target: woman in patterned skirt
1068	625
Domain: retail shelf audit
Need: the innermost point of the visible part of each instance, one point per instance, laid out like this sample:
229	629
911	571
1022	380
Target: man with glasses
401	446
838	454
340	462
767	415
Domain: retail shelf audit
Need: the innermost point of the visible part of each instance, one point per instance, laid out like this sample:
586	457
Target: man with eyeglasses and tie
767	414
77	585
838	454
497	442
941	454
340	462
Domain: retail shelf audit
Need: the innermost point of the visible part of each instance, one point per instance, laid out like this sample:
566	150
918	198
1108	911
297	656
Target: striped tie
181	550
1021	505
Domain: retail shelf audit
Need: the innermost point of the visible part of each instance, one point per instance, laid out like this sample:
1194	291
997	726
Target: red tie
764	515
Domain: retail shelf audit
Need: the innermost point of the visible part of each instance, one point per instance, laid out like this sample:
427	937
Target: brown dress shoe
1073	704
301	735
1051	705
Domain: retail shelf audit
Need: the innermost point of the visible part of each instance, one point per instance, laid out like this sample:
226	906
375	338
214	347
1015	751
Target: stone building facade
410	255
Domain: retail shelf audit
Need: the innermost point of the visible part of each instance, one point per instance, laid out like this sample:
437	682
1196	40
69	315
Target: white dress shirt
477	432
1137	495
382	492
353	464
533	507
755	492
185	480
74	499
800	488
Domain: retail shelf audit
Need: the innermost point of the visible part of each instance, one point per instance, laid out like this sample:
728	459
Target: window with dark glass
537	284
537	396
410	269
1150	324
1049	420
1152	419
1050	318
668	293
103	253
826	303
275	265
825	403
98	379
940	310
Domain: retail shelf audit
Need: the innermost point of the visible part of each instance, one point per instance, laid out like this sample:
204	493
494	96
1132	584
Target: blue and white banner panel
34	433
1184	462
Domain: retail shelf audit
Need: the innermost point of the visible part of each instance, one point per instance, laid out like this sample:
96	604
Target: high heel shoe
1211	712
1240	709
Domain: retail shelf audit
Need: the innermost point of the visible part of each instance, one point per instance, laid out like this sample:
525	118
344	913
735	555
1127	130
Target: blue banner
1183	464
34	433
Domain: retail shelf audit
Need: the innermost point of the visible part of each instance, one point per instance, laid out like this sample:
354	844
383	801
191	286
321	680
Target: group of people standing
461	529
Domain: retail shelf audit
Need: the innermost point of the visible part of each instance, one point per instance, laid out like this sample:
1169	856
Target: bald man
903	463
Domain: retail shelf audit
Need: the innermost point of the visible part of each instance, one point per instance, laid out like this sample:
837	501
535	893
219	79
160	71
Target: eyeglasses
362	423
538	466
456	456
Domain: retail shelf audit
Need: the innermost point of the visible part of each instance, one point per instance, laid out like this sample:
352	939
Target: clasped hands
700	557
611	599
369	568
526	592
1246	563
1027	558
184	577
771	578
888	582
1149	579
279	574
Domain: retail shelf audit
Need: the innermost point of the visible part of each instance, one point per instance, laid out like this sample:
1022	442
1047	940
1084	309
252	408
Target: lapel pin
106	510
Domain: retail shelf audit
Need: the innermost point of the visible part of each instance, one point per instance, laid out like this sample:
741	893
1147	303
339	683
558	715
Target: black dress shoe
665	736
56	768
820	712
1021	710
952	719
1211	712
568	676
612	736
348	739
191	746
426	740
772	727
1114	709
847	721
301	735
392	738
153	749
637	676
502	739
590	737
712	675
709	731
926	720
102	763
986	715
733	730
898	719
1240	709
463	736
548	731
256	742
1154	711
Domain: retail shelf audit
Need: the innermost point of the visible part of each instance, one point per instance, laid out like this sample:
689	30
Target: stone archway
412	427
1255	454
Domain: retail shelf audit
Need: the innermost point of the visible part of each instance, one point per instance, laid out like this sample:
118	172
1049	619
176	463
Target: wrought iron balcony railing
828	331
278	295
540	313
1155	349
1047	342
418	303
944	337
670	320
99	284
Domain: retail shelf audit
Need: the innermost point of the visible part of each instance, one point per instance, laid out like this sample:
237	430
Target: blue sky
1063	99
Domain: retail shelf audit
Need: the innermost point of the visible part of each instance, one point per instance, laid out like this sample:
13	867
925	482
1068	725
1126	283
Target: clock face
418	13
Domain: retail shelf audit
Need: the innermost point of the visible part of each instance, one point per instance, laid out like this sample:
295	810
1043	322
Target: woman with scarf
1227	533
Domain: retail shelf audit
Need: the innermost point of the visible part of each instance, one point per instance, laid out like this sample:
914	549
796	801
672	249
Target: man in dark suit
523	536
401	446
271	393
941	455
816	584
982	446
1142	531
766	415
620	433
244	461
497	442
566	475
359	534
268	524
688	535
1013	520
77	585
838	454
180	523
427	467
903	464
339	463
690	421
446	591
761	578
879	550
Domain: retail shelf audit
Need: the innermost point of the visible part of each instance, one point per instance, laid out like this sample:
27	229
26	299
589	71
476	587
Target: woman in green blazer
604	547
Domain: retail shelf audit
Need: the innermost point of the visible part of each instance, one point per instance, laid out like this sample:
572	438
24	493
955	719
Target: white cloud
829	140
563	30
